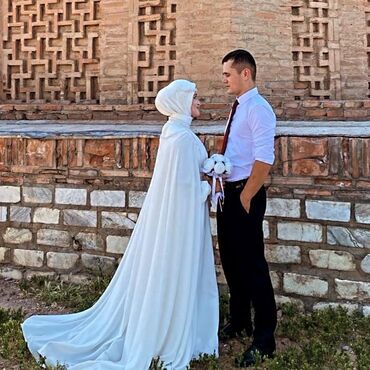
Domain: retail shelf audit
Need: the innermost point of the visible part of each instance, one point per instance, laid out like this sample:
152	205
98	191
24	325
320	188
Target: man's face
232	79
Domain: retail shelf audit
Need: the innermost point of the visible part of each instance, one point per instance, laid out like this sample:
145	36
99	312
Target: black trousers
240	237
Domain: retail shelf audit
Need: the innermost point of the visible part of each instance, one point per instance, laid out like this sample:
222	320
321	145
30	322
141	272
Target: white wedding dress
163	299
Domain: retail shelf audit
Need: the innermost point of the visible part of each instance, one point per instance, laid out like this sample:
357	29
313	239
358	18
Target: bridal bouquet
218	167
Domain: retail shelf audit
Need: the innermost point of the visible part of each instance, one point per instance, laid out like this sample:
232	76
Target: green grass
323	340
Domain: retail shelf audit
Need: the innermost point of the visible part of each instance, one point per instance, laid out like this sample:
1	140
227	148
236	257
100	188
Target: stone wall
74	52
68	205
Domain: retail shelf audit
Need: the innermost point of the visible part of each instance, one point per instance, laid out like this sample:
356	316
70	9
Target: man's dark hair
242	59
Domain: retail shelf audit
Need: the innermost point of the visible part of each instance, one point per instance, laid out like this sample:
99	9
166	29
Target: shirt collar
247	95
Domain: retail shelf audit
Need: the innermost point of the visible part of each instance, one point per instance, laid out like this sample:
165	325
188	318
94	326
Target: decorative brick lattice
153	42
368	42
50	50
316	55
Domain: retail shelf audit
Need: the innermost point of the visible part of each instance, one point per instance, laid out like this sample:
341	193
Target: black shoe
251	355
230	332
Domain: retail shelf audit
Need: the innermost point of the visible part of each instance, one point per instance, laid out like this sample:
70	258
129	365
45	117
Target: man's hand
246	201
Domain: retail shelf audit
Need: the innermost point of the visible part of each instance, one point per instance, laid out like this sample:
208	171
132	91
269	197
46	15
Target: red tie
228	126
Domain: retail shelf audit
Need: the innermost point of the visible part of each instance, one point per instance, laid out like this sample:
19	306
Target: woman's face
195	112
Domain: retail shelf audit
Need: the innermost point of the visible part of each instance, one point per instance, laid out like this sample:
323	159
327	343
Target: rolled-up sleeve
263	126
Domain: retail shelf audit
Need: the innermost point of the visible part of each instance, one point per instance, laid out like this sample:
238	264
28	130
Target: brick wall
128	50
68	207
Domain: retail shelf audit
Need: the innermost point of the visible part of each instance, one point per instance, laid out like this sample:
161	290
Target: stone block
28	258
20	214
299	231
266	229
3	214
37	195
46	216
282	300
365	264
327	210
57	238
306	285
62	261
4	252
10	194
282	254
283	207
362	213
17	236
116	220
334	260
10	273
70	196
99	264
117	244
136	199
275	280
348	237
349	307
74	217
107	198
348	289
88	241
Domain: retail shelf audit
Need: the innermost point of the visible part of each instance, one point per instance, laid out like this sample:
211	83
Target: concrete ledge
124	129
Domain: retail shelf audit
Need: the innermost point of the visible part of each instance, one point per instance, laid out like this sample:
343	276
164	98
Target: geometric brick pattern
368	42
153	40
50	50
316	53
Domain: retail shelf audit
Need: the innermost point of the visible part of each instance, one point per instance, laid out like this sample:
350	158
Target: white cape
163	299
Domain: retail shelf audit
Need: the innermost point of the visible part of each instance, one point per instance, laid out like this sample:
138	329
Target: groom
249	144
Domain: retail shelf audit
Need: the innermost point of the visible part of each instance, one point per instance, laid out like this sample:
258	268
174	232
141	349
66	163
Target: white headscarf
175	100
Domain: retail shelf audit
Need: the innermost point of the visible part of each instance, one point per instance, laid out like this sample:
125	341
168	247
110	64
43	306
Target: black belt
233	185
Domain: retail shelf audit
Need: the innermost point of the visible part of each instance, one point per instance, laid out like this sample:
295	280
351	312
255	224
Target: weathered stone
349	307
10	273
305	285
133	216
136	199
334	260
3	253
88	241
10	194
30	274
46	216
300	231
107	198
114	220
75	279
213	223
3	214
63	261
56	238
29	258
362	213
282	300
101	264
20	214
283	207
70	196
282	254
348	289
366	311
266	229
74	217
37	195
117	244
357	238
327	210
365	264
275	280
17	236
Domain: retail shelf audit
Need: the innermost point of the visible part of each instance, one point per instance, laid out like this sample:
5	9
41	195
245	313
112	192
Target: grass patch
323	340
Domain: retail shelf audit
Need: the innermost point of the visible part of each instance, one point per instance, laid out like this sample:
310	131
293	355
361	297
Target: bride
162	301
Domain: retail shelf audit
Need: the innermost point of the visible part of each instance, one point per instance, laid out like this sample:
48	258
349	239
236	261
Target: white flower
208	165
219	168
228	167
218	157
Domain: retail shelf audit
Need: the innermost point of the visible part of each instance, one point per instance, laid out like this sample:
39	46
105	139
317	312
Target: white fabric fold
163	299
